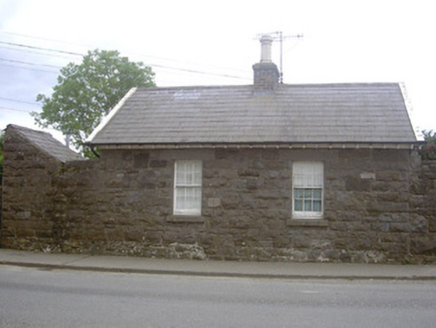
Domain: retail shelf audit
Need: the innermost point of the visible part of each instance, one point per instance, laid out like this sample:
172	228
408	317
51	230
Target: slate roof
334	113
47	143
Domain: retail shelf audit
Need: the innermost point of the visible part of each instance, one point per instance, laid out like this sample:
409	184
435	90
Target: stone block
186	251
357	184
221	153
425	245
432	224
400	227
388	196
270	154
419	224
214	202
24	215
158	163
245	172
230	201
368	176
133	233
141	159
252	183
380	226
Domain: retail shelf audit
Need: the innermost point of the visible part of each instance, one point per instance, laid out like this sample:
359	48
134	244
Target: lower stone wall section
379	205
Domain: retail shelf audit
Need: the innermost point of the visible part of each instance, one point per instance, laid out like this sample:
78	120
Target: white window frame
191	171
307	190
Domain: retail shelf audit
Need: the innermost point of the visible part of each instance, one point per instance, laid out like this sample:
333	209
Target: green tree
87	92
429	150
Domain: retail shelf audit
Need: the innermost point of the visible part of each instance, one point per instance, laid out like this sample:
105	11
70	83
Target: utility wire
27	63
81	45
39	38
149	64
41	48
199	72
29	68
31	51
19	101
15	109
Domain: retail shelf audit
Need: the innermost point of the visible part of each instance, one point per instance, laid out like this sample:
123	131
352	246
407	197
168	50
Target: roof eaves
281	145
108	118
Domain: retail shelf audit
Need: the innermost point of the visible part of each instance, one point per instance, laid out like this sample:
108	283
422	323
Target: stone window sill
307	222
185	219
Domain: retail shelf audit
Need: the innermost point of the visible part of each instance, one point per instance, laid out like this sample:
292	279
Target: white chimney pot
266	41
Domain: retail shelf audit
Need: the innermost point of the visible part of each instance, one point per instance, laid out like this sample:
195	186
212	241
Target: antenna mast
280	37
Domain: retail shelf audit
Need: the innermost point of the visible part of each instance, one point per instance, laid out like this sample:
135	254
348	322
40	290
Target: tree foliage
86	92
429	150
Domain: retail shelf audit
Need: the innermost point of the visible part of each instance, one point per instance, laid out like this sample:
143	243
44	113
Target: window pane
317	193
197	198
307	193
298	193
308	174
197	177
180	198
193	198
298	205
308	205
317	206
180	176
188	172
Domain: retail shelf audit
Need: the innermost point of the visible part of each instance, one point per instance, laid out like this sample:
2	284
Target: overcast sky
215	43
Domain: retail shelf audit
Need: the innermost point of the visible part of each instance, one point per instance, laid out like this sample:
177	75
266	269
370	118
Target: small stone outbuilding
267	171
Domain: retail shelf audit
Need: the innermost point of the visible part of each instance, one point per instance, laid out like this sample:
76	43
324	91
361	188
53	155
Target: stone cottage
266	171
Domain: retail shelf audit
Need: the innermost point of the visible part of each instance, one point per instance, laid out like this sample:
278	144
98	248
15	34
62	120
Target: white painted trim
410	111
111	114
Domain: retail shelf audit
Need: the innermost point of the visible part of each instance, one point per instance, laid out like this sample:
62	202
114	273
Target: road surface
32	297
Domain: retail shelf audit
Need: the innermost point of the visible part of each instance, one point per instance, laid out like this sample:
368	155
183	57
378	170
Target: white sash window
187	187
308	190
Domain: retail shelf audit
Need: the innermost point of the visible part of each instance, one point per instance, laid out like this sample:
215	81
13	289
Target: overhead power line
29	68
199	72
14	109
27	63
19	101
37	52
87	46
53	51
41	48
38	37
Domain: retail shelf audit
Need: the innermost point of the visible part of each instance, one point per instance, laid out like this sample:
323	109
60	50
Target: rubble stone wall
379	205
28	210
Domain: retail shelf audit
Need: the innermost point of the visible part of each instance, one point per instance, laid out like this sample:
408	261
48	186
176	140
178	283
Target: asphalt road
62	298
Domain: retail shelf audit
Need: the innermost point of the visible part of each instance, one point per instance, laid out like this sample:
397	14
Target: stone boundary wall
379	205
423	201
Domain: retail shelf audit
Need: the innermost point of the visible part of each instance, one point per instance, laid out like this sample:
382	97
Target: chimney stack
266	73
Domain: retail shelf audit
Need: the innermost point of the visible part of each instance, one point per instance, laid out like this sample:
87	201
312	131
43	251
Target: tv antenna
278	36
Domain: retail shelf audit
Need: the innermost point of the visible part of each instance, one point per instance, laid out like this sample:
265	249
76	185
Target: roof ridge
20	127
196	87
250	86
